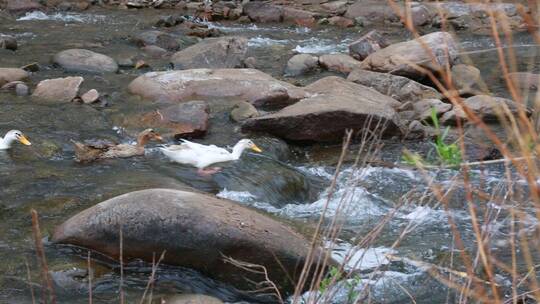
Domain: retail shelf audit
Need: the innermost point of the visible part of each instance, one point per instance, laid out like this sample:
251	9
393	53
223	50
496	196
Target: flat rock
486	107
424	108
336	105
467	80
196	231
224	52
58	89
258	88
398	87
301	64
341	63
12	74
185	120
81	60
401	58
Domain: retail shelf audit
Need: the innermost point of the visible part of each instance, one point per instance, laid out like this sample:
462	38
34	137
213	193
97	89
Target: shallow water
289	182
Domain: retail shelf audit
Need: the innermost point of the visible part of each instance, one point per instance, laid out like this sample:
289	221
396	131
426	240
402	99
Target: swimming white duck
202	156
11	137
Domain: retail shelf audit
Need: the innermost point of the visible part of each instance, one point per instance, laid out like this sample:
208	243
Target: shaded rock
225	52
250	63
263	12
31	67
258	88
367	44
400	58
373	11
336	105
81	60
12	74
186	120
486	107
398	87
22	6
8	42
467	80
340	21
417	130
170	20
90	97
242	111
58	89
525	80
196	231
421	15
341	63
424	107
336	7
158	38
154	51
301	64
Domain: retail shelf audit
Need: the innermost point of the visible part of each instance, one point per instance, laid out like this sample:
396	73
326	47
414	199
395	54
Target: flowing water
287	181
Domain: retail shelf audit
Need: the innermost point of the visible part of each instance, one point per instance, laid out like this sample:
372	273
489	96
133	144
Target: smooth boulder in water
196	231
81	60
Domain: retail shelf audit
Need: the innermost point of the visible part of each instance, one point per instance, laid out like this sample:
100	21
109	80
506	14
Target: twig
152	276
90	273
41	255
30	281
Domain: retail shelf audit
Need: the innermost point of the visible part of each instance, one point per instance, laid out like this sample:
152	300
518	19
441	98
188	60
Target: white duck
202	156
13	136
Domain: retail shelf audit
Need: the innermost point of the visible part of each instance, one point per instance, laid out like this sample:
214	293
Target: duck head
148	135
244	144
16	135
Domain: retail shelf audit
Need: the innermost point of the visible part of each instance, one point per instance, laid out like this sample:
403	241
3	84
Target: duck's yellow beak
23	140
255	148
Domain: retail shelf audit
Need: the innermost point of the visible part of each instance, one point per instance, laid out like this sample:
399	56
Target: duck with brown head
87	152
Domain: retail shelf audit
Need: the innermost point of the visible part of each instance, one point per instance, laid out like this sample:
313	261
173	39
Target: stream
288	181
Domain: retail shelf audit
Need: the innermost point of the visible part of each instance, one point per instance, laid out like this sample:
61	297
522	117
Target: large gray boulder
195	230
401	88
86	61
401	58
336	105
212	53
258	88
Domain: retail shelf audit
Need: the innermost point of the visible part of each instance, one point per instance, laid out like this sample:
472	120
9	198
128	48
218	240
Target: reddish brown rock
341	63
340	21
186	120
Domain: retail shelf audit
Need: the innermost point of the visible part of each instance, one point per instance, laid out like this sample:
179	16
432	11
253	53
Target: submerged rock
12	74
58	89
301	64
401	58
186	120
367	44
401	88
196	231
81	60
258	88
225	52
336	105
8	42
157	38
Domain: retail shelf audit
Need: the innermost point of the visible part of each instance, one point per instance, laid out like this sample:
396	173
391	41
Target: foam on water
65	17
260	41
321	46
354	258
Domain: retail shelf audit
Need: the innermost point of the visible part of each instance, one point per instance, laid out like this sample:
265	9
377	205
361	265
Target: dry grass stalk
45	275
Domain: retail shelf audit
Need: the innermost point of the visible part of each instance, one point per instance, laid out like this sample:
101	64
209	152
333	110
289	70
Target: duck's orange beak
255	148
23	140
